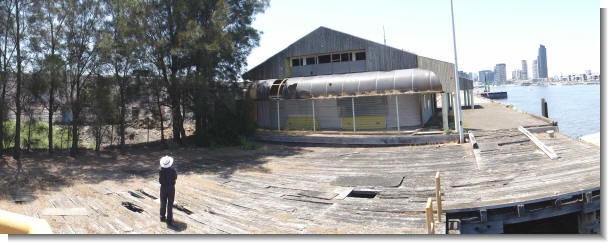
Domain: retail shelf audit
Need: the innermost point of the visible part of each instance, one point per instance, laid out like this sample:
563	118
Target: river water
575	107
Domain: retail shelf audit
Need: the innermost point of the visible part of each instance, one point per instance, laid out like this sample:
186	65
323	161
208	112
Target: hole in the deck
182	208
362	194
132	207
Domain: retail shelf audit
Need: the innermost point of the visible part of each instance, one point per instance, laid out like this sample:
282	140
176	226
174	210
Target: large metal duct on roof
347	85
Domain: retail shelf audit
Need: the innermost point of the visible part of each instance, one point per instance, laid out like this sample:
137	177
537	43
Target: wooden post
438	195
429	215
543	106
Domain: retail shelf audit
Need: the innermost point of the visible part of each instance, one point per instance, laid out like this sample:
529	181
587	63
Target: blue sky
488	32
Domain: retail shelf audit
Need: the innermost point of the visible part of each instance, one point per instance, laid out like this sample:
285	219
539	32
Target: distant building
500	73
517	75
467	75
542	62
524	70
486	76
535	69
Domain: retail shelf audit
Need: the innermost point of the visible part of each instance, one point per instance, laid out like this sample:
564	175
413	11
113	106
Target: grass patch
34	135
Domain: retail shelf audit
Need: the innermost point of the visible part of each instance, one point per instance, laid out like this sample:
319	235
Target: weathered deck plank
293	190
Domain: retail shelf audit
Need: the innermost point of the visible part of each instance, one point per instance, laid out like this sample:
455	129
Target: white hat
166	161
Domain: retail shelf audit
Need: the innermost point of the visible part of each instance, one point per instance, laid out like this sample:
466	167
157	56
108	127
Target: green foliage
229	119
247	144
38	137
196	50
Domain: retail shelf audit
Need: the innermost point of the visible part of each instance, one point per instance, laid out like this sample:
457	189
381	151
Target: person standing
166	177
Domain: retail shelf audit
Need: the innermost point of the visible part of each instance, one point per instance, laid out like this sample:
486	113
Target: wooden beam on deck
549	152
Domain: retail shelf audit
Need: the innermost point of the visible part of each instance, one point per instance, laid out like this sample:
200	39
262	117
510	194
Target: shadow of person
177	226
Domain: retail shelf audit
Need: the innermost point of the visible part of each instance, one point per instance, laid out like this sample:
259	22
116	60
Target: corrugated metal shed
378	57
324	40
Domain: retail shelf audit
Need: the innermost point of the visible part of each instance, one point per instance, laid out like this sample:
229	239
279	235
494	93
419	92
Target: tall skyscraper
524	70
535	69
500	73
542	62
486	75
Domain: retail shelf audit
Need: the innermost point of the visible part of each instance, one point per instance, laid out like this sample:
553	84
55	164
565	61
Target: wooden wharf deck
292	190
304	189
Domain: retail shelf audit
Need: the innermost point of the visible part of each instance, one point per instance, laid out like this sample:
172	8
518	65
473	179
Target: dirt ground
47	172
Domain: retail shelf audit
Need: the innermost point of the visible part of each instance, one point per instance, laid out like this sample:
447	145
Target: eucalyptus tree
165	21
7	49
102	103
207	39
121	48
82	30
46	42
219	57
19	7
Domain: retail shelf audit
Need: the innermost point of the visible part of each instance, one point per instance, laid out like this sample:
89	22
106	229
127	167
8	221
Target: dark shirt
167	176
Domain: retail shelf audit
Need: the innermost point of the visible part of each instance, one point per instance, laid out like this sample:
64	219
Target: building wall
408	115
445	72
373	112
524	70
500	73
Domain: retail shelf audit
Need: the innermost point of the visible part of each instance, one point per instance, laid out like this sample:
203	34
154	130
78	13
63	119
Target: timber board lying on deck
292	190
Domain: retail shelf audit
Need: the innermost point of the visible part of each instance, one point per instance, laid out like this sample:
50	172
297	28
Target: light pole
458	108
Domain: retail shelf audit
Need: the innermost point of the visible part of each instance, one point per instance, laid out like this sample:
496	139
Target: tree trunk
122	113
176	114
176	118
160	114
2	105
75	119
97	137
17	148
74	149
29	132
51	103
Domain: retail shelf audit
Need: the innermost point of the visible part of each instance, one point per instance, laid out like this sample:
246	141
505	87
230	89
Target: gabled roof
322	40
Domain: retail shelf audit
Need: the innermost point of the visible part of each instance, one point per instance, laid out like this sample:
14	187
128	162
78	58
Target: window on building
360	56
296	62
324	59
335	57
311	60
346	56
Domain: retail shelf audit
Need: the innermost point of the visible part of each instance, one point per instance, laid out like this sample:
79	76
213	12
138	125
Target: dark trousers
167	194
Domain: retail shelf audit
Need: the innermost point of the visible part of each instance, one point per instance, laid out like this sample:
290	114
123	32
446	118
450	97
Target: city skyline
487	32
542	62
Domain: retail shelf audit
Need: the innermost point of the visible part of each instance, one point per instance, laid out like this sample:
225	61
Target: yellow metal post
13	223
429	215
438	195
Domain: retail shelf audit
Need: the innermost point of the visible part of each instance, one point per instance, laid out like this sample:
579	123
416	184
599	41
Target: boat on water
494	95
